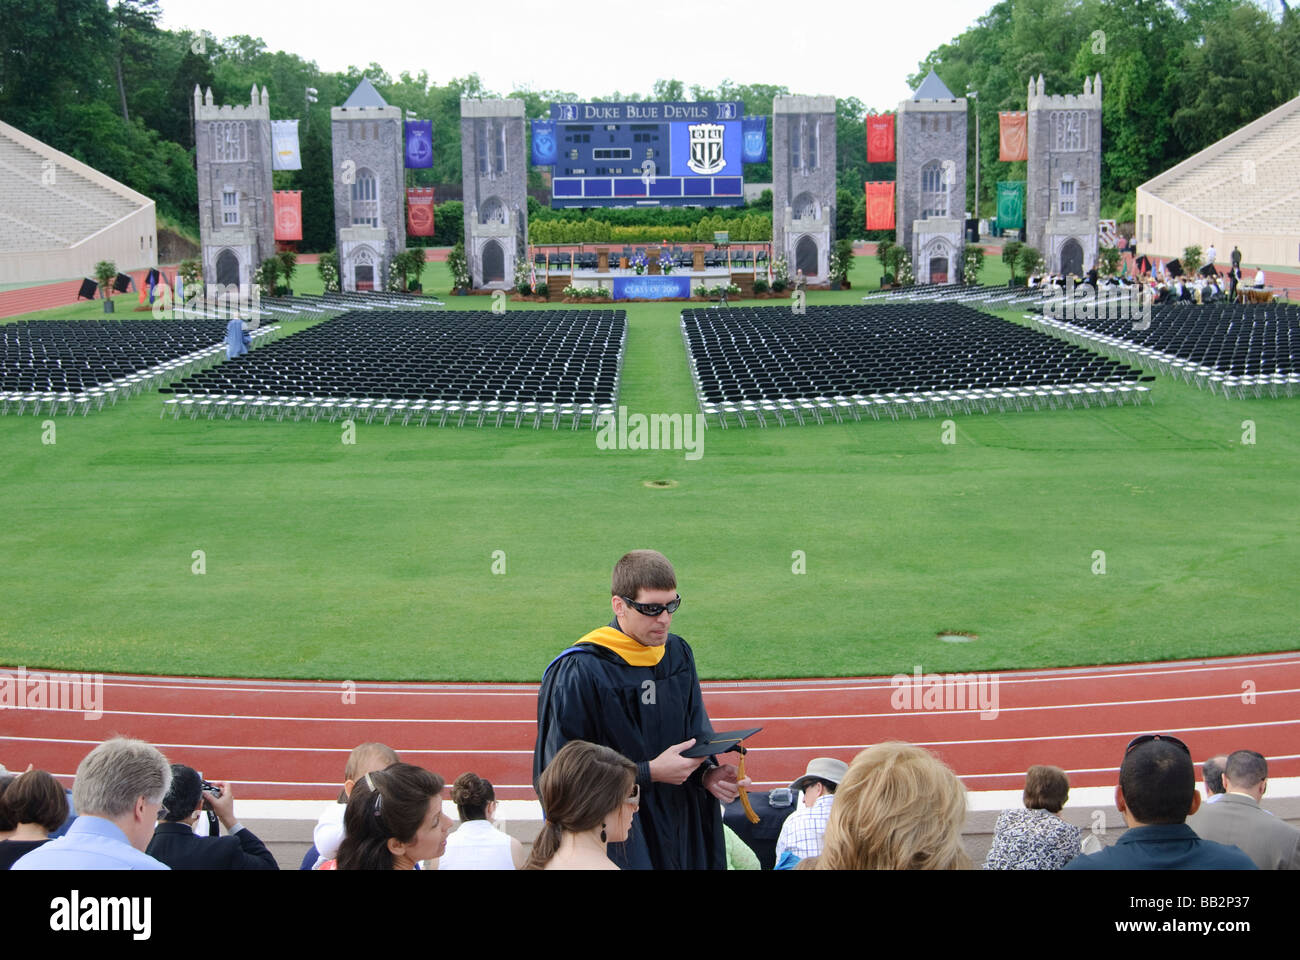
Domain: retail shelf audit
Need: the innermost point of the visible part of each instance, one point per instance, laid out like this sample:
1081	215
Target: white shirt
803	831
1209	256
477	845
329	832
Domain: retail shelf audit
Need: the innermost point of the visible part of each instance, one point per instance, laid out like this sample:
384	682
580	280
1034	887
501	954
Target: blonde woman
897	808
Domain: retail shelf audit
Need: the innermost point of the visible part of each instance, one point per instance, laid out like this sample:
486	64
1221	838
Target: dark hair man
175	843
1155	795
1238	819
632	686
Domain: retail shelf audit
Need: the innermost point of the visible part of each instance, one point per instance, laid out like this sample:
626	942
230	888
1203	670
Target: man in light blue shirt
119	787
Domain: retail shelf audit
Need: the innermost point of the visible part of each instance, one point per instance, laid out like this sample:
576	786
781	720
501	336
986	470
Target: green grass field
374	561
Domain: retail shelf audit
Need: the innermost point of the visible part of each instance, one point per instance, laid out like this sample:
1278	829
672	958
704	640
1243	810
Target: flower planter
108	305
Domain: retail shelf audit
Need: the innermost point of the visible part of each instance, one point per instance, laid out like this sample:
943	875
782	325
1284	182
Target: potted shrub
1011	256
415	259
760	285
780	275
105	274
459	267
288	264
265	276
972	264
328	268
191	273
841	261
1030	260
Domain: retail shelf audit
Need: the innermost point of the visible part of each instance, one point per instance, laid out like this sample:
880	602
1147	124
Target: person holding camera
175	843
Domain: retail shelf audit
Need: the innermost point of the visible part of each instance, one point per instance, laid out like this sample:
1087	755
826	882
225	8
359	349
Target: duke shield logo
567	111
754	143
706	148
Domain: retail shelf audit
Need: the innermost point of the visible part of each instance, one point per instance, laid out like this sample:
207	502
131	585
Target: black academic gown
594	695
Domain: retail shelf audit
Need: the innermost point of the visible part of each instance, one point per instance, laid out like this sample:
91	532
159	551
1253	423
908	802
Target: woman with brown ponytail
477	844
589	796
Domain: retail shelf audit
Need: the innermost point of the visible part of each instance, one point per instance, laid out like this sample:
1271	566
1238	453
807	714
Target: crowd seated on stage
1165	285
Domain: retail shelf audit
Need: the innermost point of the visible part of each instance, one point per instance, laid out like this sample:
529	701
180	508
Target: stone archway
1071	258
805	256
227	269
494	263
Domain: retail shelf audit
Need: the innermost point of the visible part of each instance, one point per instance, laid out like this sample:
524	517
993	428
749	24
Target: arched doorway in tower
1072	258
805	256
227	269
494	262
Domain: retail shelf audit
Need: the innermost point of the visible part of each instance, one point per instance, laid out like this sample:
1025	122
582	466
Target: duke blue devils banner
284	145
1011	204
755	139
419	144
544	147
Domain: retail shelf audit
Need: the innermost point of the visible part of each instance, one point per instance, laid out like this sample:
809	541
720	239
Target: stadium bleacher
70	366
833	362
440	367
1234	349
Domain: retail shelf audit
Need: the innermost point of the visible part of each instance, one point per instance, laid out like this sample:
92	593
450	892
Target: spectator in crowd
36	805
1259	279
1238	819
394	820
632	687
175	843
1036	838
740	856
1236	256
118	791
1212	773
7	826
589	797
1210	255
1155	795
897	808
328	834
477	844
802	832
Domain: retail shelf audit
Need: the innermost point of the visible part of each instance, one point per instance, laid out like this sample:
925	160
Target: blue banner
651	287
419	144
705	149
755	130
544	147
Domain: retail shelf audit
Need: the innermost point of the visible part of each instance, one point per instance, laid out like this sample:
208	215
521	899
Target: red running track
289	739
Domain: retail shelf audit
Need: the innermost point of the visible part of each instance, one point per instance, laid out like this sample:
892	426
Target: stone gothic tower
930	215
495	185
1063	200
803	183
236	219
369	187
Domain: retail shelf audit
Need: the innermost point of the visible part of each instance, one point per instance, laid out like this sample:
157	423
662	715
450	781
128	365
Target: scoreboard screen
648	154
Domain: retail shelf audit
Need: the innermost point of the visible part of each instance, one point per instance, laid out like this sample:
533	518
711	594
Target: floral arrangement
972	264
666	263
905	278
639	263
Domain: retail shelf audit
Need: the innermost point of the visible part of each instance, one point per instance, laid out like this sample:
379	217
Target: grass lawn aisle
375	561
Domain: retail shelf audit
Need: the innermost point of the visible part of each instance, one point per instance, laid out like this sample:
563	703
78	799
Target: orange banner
880	205
288	214
1013	136
419	211
880	138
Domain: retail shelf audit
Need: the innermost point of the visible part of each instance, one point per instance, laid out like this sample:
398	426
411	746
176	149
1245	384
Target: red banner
1013	136
419	211
880	205
288	214
880	138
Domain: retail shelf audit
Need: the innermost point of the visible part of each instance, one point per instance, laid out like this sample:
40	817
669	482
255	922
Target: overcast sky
864	50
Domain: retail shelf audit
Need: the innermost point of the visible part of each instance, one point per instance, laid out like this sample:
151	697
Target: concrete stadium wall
1163	231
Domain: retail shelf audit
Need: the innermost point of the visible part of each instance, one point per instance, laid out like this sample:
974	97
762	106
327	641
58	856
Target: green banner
1011	204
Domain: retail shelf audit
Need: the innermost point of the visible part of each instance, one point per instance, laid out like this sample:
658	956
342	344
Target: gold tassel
750	815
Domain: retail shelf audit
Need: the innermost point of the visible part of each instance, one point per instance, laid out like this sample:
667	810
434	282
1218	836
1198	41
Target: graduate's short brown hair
642	570
1046	788
36	797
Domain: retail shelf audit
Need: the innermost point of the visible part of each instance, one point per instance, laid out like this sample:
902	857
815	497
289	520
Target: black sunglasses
653	609
1148	737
